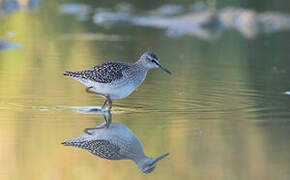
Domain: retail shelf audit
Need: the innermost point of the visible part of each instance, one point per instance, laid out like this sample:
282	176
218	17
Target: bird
117	142
117	80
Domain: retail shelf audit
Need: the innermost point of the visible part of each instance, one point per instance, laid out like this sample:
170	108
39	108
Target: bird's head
150	60
147	165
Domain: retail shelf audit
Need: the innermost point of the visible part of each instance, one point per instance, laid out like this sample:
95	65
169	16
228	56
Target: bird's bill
164	69
159	158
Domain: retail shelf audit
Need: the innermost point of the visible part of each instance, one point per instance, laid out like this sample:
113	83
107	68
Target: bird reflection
116	142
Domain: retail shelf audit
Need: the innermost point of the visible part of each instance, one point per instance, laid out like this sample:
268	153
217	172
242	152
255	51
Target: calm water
223	114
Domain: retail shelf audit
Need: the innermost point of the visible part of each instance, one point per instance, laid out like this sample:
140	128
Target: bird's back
99	147
103	73
115	143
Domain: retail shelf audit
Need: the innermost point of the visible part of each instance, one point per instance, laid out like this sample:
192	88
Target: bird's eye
153	60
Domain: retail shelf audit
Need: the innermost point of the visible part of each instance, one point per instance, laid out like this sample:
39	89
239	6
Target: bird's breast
129	85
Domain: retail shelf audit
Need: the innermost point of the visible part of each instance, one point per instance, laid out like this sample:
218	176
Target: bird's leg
109	100
108	120
106	96
105	103
88	90
87	130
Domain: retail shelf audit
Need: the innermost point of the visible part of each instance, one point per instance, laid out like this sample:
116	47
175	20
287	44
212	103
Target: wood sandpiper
115	143
117	80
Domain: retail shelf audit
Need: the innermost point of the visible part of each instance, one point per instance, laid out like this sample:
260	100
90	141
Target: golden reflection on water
206	116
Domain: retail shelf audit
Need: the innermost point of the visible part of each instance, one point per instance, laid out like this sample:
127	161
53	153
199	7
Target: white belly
118	90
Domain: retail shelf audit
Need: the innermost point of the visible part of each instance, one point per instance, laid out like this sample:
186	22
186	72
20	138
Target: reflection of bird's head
147	165
150	60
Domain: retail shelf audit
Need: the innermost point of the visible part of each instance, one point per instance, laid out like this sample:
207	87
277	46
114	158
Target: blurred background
223	114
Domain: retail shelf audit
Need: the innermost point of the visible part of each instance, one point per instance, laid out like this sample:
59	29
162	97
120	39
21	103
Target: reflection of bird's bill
159	158
163	68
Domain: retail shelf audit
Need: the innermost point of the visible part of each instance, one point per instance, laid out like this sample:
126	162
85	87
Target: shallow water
223	114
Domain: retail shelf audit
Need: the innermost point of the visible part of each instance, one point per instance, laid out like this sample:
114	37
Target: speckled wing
101	148
104	73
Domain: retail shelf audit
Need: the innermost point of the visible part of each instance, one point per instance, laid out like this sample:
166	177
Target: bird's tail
72	143
74	74
68	73
67	143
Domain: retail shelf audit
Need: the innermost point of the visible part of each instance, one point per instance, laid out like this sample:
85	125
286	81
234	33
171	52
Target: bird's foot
105	125
106	96
87	130
88	90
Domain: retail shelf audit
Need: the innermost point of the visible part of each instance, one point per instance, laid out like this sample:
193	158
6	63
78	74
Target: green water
222	114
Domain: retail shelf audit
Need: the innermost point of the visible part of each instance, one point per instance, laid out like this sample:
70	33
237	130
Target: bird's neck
140	65
140	160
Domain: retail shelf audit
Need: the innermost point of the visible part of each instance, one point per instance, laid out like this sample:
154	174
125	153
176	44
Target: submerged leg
87	130
108	120
106	96
109	100
105	103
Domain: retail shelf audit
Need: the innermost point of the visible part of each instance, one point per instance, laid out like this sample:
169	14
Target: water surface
223	114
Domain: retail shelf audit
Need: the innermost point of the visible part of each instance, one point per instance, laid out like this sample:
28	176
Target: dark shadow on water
115	141
81	110
92	109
